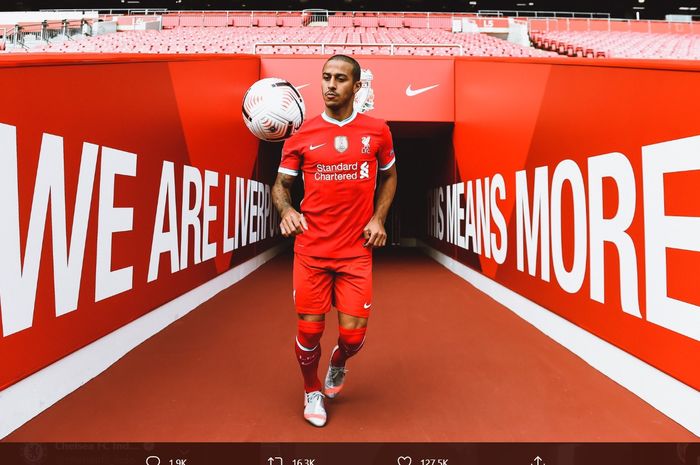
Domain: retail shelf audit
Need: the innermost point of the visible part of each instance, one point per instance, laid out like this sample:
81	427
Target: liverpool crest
364	98
365	144
341	143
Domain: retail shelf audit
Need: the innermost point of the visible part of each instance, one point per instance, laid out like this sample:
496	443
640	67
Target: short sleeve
291	158
386	156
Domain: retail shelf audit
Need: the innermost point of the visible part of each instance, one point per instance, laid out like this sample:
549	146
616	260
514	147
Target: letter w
18	283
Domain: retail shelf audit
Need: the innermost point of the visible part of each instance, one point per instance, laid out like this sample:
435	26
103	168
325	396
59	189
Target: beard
339	101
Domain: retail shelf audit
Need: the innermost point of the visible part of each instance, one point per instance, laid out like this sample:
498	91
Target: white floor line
676	400
27	398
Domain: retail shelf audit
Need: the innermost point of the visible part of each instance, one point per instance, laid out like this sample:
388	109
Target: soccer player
340	155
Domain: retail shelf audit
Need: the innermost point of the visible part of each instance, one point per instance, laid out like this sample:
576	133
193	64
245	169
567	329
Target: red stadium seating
416	22
601	44
302	40
372	33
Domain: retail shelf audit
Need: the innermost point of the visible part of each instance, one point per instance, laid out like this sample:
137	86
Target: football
273	109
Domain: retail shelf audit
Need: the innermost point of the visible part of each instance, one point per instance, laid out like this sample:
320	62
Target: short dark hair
356	71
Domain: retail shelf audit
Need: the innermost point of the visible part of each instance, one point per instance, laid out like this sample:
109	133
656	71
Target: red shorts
345	283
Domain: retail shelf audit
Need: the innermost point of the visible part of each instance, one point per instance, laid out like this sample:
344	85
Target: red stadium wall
405	89
96	155
576	187
598	137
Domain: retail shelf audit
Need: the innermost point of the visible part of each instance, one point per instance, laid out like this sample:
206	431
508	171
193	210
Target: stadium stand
365	33
367	40
594	44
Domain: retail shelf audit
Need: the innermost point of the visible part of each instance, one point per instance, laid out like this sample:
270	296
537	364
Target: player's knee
351	340
351	322
310	317
309	333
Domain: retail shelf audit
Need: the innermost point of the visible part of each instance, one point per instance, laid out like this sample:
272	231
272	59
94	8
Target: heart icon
404	460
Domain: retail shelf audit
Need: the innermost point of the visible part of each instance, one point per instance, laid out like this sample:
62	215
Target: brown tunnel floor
442	362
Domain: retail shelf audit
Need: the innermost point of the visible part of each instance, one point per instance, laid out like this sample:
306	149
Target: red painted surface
157	109
391	78
576	112
509	115
441	362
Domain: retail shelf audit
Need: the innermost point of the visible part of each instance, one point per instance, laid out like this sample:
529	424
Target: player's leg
308	348
352	330
353	298
312	299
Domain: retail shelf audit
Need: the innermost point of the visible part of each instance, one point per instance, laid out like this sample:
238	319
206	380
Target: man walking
340	154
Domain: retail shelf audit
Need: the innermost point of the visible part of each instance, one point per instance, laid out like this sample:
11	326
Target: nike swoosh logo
367	306
302	86
412	93
314	147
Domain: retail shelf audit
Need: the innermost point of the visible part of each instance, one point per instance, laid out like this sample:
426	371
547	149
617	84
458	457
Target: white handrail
610	21
130	11
323	45
545	14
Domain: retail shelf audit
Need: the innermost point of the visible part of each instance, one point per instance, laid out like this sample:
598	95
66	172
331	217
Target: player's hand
374	233
293	223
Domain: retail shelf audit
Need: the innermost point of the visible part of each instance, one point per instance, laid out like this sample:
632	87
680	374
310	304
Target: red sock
350	342
308	350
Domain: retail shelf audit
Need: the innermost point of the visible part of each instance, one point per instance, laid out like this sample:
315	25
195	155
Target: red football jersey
339	161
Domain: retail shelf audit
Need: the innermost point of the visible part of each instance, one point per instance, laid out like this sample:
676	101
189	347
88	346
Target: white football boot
314	411
335	377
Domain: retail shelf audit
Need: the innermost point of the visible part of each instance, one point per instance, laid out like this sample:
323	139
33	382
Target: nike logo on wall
367	306
301	86
412	93
314	147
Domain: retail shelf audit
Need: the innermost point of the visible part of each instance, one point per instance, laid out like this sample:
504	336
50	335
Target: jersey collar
347	120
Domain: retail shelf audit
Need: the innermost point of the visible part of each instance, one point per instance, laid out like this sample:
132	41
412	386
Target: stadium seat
248	31
599	44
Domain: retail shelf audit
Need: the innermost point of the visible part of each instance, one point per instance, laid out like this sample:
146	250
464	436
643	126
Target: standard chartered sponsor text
336	172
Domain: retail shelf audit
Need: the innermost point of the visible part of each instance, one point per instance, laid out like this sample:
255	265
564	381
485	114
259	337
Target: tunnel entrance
423	153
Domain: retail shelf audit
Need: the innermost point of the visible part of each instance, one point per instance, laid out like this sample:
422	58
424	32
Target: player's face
337	85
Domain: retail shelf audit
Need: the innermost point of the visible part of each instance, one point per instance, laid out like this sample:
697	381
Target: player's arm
293	222
374	232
